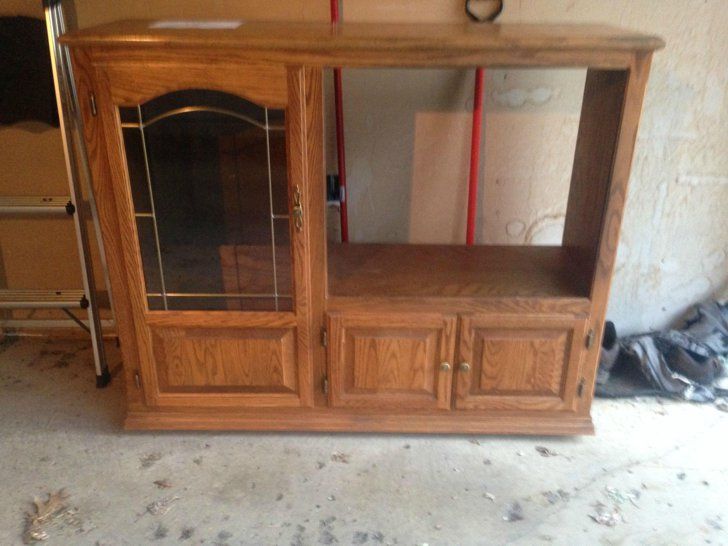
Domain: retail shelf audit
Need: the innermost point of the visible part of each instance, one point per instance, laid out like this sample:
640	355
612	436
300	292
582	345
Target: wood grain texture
501	305
263	84
391	360
525	362
520	363
222	319
119	181
315	198
368	420
130	260
377	270
297	136
619	167
93	134
364	44
601	116
211	360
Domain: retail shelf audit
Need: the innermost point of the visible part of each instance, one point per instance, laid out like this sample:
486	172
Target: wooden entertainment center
206	144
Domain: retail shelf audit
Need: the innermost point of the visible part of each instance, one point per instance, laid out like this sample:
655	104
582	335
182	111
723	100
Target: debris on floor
545	452
514	512
163	484
722	404
489	496
160	532
360	537
552	497
326	534
149	459
339	457
186	533
48	512
716	523
606	516
161	506
621	497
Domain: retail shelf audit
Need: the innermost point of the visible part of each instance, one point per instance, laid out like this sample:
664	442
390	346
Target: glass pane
178	303
218	174
155	303
279	176
137	170
227	304
150	262
284	272
129	115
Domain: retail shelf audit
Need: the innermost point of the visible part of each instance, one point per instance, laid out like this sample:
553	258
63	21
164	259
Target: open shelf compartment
455	271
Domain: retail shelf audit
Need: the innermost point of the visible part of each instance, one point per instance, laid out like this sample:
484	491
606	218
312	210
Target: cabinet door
518	362
203	185
393	361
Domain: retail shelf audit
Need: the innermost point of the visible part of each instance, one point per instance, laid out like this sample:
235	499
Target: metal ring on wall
480	19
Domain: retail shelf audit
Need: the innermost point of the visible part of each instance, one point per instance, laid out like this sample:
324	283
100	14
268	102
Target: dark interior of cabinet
208	174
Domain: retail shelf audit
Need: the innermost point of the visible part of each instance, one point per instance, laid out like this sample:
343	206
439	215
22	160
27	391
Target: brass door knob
445	367
464	367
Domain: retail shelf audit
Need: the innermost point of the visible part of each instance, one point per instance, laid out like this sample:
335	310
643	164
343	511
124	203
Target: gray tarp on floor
687	363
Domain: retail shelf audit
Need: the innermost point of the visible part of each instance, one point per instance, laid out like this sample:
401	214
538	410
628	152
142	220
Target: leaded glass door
209	180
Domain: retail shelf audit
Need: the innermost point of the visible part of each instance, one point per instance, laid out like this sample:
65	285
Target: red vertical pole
475	156
340	147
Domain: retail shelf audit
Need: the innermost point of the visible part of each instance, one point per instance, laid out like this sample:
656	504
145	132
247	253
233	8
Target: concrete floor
663	466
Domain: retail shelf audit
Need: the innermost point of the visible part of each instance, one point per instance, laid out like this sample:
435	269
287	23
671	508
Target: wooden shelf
427	271
367	44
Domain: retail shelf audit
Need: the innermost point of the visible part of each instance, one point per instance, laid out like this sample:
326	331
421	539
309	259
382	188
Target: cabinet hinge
325	385
92	100
590	339
580	388
137	380
324	337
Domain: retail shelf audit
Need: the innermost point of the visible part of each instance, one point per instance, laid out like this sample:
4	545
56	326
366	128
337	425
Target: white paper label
205	25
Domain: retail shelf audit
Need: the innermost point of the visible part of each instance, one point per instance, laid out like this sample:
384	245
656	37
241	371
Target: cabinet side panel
85	75
607	135
315	194
601	116
298	148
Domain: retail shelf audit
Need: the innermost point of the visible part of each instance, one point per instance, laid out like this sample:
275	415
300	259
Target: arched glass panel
209	184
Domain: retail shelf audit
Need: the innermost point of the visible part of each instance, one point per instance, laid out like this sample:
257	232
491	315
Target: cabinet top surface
379	44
